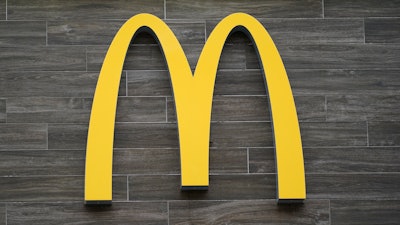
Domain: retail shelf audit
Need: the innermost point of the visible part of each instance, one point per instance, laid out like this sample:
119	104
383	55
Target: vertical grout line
323	9
47	39
364	28
166	109
248	160
165	9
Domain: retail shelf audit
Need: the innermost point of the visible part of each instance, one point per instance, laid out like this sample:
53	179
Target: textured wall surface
343	61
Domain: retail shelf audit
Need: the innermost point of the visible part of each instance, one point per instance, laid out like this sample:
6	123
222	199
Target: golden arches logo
193	98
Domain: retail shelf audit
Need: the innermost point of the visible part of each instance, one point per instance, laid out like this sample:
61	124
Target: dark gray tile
3	217
145	109
382	30
22	33
305	31
341	82
310	108
40	162
52	188
146	213
43	58
86	9
3	10
149	135
51	84
262	160
23	136
180	9
384	133
365	212
333	134
363	108
222	187
248	212
241	134
352	160
67	136
3	115
353	186
233	108
150	57
48	110
334	56
239	82
361	8
95	32
167	161
149	83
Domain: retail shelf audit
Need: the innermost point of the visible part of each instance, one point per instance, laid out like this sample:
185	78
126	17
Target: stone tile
222	187
344	82
180	9
67	136
248	212
3	9
167	161
365	212
316	134
146	213
3	212
58	58
146	109
382	30
241	134
95	32
233	108
86	9
23	136
353	186
304	31
52	189
48	110
351	160
361	8
51	84
333	56
40	162
384	133
363	108
149	83
22	33
262	160
3	115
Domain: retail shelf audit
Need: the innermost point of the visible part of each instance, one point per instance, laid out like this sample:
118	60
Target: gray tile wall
343	61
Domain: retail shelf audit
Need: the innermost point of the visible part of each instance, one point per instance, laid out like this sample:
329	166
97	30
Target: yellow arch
193	99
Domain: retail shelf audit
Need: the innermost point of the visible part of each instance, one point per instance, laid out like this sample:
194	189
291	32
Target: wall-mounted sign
193	98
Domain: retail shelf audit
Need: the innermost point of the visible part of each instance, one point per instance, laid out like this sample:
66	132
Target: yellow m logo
193	98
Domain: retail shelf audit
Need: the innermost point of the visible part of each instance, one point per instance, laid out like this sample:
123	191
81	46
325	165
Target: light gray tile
143	213
22	33
248	212
23	136
86	9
